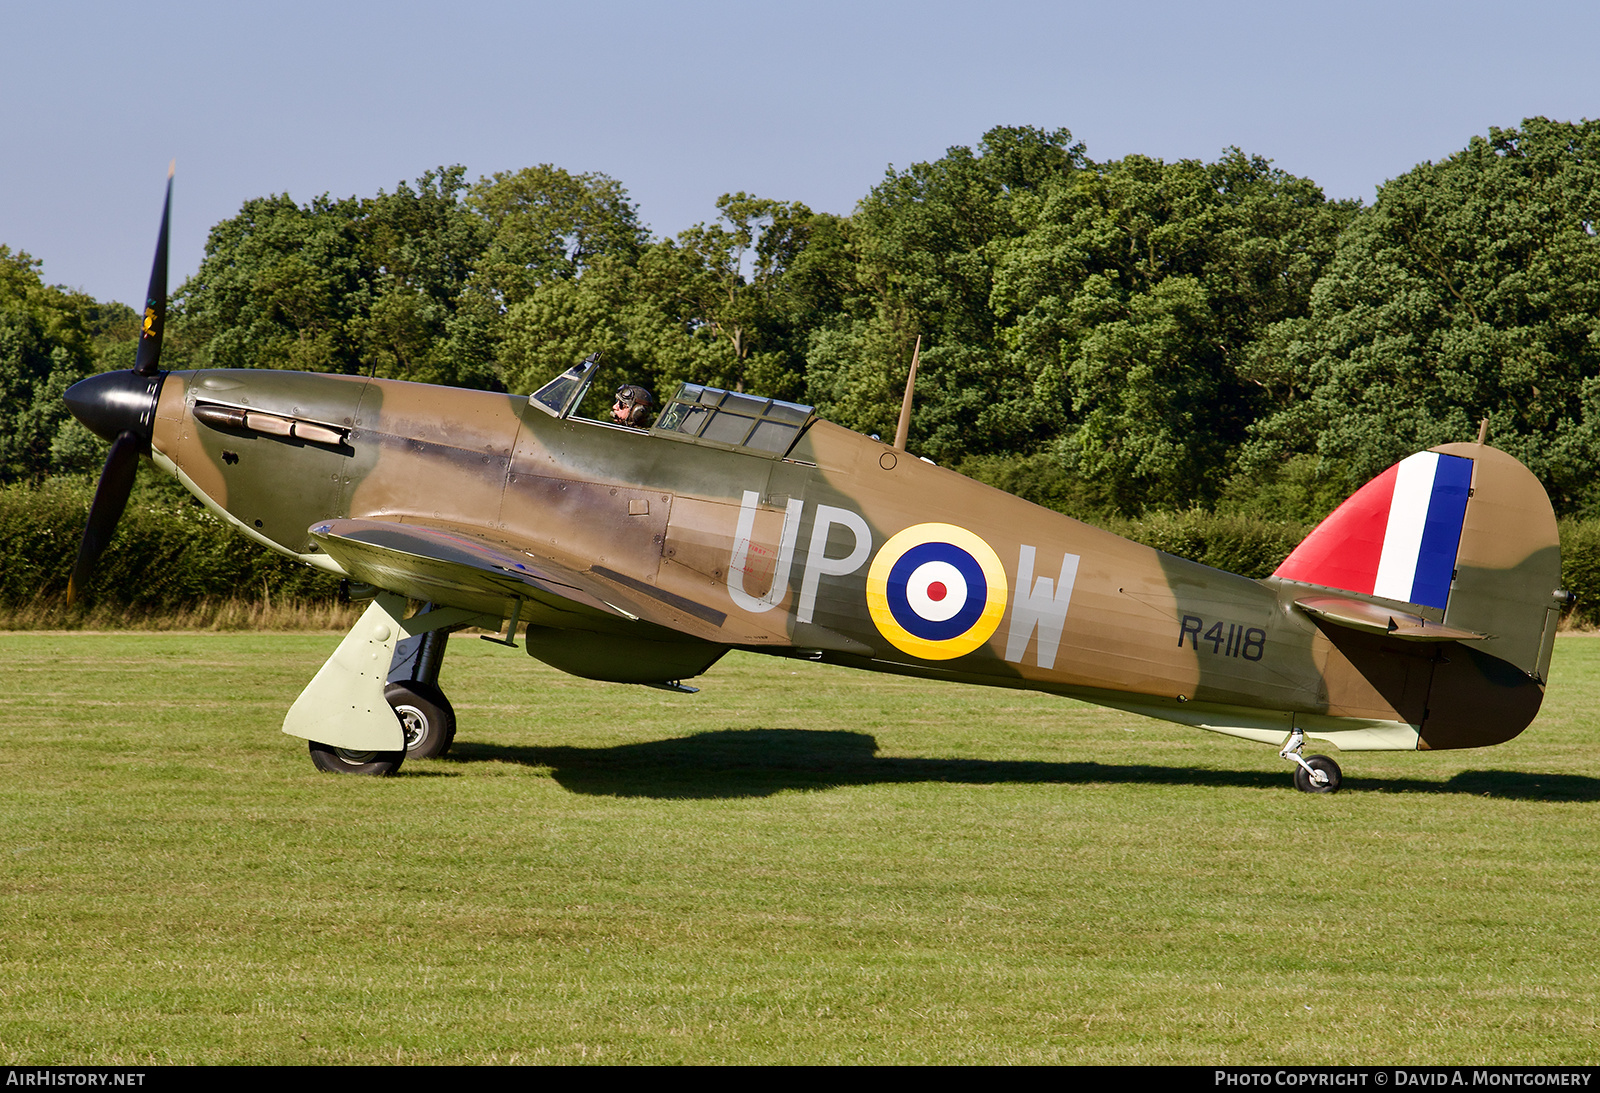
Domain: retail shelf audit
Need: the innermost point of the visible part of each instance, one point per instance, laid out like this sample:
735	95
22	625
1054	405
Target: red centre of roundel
937	591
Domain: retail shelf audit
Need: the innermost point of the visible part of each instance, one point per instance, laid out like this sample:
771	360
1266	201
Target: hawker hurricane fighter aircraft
1420	615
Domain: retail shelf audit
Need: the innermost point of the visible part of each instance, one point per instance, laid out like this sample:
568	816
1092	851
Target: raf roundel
936	591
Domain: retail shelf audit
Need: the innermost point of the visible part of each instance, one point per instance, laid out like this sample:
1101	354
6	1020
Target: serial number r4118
1237	640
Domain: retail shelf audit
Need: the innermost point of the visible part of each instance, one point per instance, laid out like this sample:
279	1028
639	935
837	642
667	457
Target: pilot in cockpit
631	406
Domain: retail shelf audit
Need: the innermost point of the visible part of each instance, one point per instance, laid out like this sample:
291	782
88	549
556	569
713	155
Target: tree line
1108	338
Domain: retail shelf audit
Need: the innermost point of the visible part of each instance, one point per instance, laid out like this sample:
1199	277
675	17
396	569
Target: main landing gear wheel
1322	777
343	761
425	715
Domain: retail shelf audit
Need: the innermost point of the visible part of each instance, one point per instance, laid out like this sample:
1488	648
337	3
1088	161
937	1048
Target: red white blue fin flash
1396	537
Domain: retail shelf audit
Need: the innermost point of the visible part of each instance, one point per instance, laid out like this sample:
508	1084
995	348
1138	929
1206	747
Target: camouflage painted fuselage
692	549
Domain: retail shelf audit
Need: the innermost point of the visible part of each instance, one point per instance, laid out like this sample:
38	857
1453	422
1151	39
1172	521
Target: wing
463	568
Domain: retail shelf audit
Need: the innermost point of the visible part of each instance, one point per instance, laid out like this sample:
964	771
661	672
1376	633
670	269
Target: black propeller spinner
121	406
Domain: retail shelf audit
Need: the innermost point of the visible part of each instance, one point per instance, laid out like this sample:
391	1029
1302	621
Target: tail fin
1461	542
1396	537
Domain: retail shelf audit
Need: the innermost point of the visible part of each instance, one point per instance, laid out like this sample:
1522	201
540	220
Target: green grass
799	864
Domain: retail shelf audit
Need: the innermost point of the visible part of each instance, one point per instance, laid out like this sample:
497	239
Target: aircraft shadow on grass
760	762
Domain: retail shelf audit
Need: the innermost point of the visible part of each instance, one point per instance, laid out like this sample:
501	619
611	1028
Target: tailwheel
1318	774
344	761
425	715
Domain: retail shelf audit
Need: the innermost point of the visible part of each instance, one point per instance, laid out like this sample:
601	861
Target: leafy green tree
277	287
926	243
1134	302
557	280
726	281
547	224
372	285
47	342
562	321
416	319
1152	397
1470	290
727	303
1106	312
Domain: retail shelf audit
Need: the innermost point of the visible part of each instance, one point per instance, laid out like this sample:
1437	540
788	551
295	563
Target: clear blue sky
682	102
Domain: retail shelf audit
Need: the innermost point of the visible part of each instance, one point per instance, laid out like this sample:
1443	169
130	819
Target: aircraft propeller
121	407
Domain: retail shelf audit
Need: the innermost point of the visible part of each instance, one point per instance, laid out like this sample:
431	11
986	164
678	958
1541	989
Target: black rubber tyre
1304	783
340	761
425	715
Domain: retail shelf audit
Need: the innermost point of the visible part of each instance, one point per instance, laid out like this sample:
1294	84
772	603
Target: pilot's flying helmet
636	401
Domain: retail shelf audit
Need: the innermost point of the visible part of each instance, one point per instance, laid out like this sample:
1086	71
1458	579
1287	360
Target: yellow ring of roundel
878	591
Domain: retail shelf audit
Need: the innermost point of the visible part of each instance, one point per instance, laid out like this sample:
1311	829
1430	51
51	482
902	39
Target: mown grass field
799	864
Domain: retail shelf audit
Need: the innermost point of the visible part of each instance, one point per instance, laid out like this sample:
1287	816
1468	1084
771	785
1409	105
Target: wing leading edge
447	567
466	569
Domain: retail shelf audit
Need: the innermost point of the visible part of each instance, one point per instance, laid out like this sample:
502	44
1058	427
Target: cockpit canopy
696	413
728	419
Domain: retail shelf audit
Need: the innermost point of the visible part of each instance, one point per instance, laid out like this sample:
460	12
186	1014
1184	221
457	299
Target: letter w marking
1040	604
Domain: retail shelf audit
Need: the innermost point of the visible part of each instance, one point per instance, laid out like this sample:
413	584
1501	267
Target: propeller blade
110	498
120	405
148	361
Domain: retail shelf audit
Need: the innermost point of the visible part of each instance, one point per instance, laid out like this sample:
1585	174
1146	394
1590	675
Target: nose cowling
113	403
